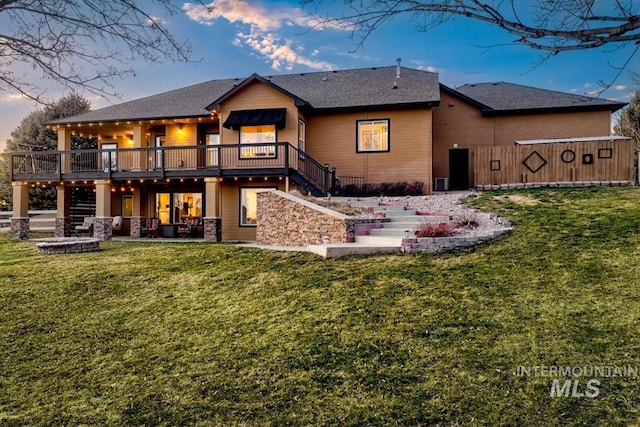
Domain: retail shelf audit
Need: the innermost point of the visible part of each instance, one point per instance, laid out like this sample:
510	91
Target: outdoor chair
151	227
189	228
117	223
86	227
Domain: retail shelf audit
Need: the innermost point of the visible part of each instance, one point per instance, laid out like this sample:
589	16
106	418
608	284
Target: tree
33	135
80	44
552	26
629	121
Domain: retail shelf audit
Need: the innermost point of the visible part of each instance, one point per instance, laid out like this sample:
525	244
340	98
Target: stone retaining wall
68	246
286	220
446	244
554	185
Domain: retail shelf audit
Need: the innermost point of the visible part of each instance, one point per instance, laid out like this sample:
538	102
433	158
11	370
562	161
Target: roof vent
398	61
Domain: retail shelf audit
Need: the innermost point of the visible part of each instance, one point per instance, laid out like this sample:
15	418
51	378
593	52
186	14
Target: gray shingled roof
509	98
358	88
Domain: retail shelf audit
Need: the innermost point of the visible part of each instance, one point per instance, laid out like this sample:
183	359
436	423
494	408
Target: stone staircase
403	221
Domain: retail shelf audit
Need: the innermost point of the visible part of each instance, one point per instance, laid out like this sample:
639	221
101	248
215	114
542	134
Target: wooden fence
591	161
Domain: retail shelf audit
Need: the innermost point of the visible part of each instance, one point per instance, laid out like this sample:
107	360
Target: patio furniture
117	223
86	227
189	228
150	228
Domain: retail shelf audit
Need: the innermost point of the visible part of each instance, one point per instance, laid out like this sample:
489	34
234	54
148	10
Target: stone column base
63	227
102	228
213	229
20	228
135	227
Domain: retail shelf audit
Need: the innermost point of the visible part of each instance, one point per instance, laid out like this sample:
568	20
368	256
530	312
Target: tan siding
558	125
457	122
332	139
257	96
231	229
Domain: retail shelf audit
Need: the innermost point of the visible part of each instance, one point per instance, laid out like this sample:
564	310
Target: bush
469	219
442	229
413	188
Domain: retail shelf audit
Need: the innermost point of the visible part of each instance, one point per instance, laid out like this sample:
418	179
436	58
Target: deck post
63	218
135	224
20	219
102	223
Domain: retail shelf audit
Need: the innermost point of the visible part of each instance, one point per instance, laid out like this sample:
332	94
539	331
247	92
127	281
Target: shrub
413	188
442	229
469	219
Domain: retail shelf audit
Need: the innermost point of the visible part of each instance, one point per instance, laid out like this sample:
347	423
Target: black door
459	169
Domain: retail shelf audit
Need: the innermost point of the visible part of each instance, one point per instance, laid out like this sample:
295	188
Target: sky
235	38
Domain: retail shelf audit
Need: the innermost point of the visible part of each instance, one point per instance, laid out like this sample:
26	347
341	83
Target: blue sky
273	37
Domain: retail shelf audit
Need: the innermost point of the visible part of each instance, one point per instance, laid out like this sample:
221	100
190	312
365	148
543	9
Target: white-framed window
249	205
263	139
372	135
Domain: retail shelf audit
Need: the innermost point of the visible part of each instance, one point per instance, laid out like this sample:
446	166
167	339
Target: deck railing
194	161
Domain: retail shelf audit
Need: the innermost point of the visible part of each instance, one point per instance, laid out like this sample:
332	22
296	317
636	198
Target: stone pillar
213	229
20	220
102	228
63	227
135	229
63	217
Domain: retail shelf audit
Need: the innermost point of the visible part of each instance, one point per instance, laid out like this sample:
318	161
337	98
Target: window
173	208
372	135
249	205
262	137
127	206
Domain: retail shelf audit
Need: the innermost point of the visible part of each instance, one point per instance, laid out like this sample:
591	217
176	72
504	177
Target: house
206	150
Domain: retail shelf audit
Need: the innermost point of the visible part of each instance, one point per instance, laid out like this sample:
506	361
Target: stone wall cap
311	205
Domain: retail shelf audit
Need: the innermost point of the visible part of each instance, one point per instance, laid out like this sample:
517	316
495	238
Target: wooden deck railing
189	161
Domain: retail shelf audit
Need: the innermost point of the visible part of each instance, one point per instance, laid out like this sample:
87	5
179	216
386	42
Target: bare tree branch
80	44
556	26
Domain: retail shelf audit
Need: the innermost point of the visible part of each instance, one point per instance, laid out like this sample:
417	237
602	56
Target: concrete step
419	218
345	249
380	240
390	232
403	225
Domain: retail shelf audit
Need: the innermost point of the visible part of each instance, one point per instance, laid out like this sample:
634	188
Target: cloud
621	87
281	54
263	24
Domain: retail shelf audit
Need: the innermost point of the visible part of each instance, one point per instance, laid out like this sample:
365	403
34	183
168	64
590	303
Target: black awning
270	116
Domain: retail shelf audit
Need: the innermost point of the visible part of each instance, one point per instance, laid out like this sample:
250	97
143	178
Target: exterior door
160	141
459	169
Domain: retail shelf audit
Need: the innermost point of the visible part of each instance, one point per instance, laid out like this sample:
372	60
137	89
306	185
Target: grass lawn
195	333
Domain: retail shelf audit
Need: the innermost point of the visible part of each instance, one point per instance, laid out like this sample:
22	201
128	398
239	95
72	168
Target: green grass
202	334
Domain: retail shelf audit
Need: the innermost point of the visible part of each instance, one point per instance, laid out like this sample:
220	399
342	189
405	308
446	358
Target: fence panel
556	162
